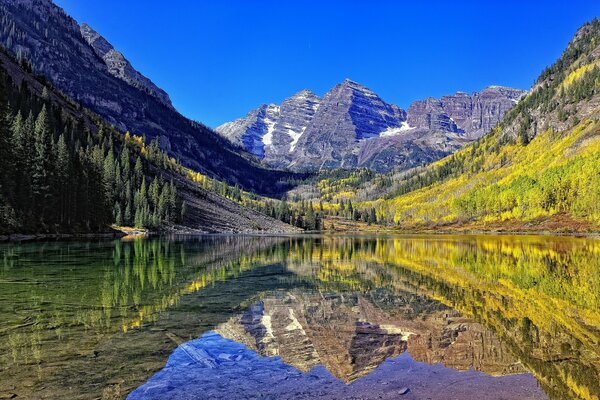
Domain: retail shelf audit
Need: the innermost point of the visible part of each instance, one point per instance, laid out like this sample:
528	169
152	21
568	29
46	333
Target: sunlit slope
541	163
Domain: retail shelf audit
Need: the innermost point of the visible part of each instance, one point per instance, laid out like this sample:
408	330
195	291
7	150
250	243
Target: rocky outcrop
119	67
470	116
352	127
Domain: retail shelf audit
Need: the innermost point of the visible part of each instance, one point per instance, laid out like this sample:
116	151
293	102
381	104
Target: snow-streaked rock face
295	114
271	132
352	127
254	132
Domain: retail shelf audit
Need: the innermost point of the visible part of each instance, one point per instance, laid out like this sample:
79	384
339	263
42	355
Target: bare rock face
352	127
430	114
295	114
469	116
271	132
119	67
252	131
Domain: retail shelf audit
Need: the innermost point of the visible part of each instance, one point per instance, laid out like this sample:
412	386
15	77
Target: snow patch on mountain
392	131
295	137
267	139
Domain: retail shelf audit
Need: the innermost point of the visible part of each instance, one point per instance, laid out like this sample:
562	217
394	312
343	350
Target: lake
333	317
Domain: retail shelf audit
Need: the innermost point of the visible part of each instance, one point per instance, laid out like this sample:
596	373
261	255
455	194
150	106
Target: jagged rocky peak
119	66
369	113
295	114
470	116
305	94
349	113
271	131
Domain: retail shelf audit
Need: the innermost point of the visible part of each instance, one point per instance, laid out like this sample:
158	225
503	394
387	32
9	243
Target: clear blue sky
220	59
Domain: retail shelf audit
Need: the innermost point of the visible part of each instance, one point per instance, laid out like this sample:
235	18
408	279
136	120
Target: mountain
470	116
539	169
271	132
119	67
84	66
352	127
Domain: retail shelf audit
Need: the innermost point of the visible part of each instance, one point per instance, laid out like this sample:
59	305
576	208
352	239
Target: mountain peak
269	106
305	94
354	85
502	88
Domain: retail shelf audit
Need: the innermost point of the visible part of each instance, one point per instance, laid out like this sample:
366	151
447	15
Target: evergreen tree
62	178
138	171
108	175
42	164
183	213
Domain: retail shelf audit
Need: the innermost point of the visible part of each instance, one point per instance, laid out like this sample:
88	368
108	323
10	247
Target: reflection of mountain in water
350	334
213	367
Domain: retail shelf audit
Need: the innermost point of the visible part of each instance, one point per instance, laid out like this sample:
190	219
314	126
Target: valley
299	200
499	159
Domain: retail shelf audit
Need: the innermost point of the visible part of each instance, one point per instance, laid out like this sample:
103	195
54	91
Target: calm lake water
368	317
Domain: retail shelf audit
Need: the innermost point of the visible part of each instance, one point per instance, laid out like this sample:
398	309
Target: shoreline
31	237
20	238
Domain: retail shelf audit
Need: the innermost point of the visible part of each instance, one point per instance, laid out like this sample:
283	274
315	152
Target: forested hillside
540	169
65	170
58	173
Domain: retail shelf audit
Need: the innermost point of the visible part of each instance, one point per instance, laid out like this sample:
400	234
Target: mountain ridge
352	127
120	67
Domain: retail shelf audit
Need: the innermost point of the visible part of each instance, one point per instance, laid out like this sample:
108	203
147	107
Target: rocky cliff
119	67
352	127
467	115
